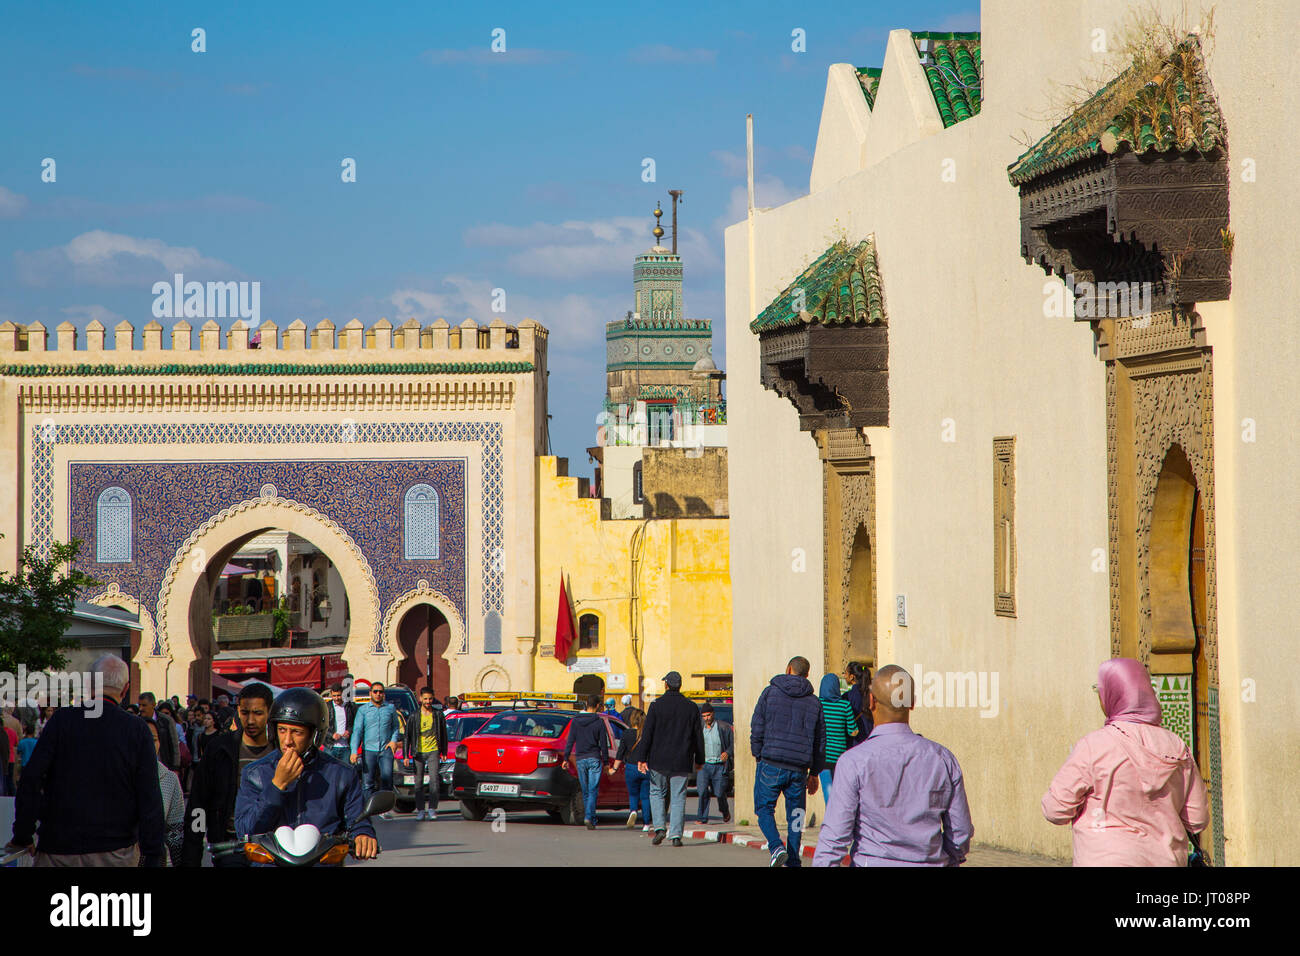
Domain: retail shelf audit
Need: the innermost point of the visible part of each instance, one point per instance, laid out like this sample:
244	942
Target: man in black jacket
93	784
672	746
211	809
338	732
424	741
168	751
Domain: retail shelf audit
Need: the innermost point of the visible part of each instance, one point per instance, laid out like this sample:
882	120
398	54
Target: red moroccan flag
565	630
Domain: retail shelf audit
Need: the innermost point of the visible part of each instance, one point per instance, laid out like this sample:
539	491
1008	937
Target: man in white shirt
341	716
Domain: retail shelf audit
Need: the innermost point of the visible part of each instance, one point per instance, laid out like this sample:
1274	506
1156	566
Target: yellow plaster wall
682	596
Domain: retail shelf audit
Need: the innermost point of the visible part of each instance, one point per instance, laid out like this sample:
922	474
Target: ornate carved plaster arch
250	517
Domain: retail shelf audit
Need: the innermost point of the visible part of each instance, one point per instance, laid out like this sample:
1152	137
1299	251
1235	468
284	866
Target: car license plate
507	789
409	779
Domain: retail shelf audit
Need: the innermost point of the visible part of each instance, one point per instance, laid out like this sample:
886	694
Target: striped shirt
838	715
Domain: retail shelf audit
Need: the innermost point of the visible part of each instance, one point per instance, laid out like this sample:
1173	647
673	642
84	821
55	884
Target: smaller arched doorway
423	636
589	684
1178	595
862	602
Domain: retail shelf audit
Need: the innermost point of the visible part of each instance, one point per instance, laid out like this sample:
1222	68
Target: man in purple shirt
899	799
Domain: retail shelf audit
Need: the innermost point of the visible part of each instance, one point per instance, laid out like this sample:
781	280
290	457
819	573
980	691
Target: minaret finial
658	230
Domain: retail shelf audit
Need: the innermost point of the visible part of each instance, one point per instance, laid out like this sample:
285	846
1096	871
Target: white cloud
733	164
82	314
12	204
575	320
483	56
110	258
769	192
572	249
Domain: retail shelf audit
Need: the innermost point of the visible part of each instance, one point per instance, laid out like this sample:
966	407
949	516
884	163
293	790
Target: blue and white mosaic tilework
487	435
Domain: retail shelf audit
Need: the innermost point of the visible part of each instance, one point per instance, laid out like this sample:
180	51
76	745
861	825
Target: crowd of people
153	783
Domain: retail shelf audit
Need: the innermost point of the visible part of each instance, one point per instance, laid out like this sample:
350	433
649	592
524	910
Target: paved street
533	839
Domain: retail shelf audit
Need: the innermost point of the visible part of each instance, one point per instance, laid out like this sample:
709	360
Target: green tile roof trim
954	74
869	77
841	286
1174	108
272	368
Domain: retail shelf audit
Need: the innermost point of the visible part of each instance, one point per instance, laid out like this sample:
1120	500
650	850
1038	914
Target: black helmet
302	707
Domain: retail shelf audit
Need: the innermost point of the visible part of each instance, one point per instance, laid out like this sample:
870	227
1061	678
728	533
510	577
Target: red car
514	762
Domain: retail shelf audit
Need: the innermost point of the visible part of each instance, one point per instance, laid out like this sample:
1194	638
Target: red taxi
514	762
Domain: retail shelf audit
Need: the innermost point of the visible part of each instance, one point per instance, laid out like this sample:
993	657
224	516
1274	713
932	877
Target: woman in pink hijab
1131	789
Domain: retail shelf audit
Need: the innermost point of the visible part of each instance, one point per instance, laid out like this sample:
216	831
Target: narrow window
1004	527
113	526
589	633
421	522
637	495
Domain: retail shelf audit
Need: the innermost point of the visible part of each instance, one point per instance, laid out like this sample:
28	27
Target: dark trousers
712	776
422	763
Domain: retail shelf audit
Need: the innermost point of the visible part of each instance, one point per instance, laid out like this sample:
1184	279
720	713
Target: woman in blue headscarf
837	714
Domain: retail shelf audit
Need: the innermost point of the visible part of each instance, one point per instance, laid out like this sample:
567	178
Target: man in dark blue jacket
300	783
93	784
788	738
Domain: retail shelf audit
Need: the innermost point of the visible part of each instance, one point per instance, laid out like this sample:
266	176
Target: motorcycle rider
300	783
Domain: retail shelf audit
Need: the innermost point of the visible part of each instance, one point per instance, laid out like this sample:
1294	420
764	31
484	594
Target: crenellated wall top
294	349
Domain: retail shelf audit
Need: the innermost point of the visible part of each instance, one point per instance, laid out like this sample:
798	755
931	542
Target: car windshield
523	723
458	728
402	698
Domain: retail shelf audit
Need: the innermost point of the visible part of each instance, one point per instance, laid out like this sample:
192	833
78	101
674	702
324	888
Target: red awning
296	671
222	685
243	665
333	669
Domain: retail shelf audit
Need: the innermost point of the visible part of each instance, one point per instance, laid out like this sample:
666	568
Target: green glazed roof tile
841	286
1174	109
953	74
869	77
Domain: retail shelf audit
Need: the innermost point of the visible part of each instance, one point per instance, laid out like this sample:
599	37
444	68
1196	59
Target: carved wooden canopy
824	341
1133	188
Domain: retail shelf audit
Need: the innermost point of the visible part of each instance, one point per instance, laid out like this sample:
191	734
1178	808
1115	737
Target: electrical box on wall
900	609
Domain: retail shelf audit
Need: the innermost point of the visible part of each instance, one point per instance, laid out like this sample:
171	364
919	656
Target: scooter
304	845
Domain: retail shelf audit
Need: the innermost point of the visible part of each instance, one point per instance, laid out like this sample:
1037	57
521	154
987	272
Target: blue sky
475	170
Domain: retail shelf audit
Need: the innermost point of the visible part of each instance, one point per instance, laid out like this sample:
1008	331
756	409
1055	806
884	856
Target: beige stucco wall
969	342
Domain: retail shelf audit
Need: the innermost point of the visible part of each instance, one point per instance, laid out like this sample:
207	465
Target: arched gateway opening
423	637
331	580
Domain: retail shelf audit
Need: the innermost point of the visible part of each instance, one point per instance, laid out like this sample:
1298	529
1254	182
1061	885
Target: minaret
657	280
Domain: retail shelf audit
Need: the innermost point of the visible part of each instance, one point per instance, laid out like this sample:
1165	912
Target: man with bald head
899	799
92	784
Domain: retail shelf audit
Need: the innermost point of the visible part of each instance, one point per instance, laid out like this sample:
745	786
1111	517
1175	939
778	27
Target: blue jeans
377	765
589	769
638	791
769	782
712	777
826	777
672	789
